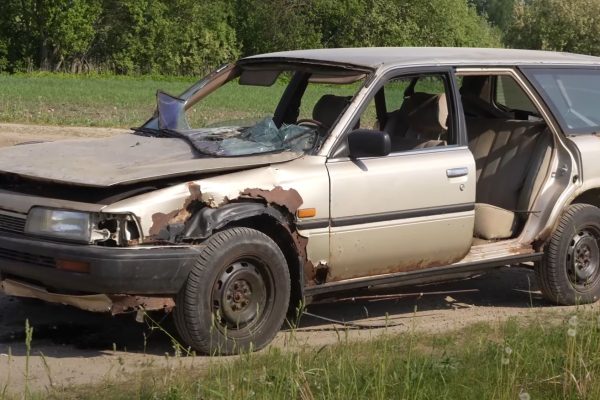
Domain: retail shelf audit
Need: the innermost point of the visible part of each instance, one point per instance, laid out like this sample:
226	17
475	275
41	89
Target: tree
190	37
47	33
498	12
560	25
180	37
294	24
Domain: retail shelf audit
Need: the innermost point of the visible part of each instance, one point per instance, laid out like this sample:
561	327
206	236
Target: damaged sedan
353	168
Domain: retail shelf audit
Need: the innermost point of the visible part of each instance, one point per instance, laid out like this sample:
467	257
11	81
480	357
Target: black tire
236	296
569	273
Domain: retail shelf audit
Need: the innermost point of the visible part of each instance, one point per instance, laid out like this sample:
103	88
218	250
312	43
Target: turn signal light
306	212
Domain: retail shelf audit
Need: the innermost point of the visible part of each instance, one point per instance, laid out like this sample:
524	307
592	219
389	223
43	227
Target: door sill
476	261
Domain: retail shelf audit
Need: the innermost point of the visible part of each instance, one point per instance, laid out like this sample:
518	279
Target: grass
119	101
78	100
545	358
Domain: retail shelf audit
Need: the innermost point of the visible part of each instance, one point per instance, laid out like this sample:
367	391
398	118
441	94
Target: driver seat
328	109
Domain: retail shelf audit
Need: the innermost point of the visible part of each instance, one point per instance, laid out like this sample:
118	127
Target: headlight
64	224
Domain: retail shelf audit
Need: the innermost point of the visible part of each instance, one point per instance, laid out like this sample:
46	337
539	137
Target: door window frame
454	107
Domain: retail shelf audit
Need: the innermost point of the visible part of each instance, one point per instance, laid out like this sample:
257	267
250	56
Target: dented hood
120	159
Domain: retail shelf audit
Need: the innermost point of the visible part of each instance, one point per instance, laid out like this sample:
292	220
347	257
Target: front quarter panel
306	175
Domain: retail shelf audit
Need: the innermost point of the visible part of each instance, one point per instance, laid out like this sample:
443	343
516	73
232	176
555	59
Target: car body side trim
313	224
403	214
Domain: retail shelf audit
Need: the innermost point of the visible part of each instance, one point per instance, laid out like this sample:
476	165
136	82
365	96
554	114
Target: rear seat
508	156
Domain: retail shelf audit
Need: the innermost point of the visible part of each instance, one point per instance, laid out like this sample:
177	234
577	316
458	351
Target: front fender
206	220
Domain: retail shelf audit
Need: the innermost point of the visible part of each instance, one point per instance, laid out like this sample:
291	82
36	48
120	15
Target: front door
413	208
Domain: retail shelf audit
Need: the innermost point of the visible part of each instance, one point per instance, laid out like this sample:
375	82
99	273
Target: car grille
12	223
19	256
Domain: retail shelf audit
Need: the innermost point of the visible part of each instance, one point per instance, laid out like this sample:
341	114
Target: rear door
414	208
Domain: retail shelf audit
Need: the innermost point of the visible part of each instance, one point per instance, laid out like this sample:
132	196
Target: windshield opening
258	109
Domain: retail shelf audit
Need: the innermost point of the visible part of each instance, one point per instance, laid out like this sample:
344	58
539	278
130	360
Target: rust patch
321	273
289	198
124	303
300	242
161	220
407	266
521	250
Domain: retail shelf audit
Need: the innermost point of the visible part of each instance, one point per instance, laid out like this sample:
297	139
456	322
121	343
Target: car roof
374	57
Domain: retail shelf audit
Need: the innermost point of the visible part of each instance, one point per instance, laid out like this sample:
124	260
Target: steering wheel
308	121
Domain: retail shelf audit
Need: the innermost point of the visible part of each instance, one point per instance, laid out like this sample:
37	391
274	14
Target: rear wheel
570	270
236	296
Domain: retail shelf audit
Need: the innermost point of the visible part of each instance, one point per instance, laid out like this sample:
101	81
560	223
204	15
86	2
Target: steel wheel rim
240	295
583	259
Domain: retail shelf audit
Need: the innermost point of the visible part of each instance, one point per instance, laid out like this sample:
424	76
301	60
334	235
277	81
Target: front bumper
134	270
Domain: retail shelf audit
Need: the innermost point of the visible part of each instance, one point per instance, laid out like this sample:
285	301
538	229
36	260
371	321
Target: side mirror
368	143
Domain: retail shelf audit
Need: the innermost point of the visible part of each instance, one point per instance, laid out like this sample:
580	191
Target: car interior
510	142
512	147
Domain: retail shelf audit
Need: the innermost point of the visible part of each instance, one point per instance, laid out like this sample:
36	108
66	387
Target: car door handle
457	172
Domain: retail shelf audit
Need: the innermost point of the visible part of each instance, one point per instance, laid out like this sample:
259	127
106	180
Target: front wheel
237	294
569	273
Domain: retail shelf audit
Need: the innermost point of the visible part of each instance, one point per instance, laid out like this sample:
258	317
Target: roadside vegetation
188	37
552	356
82	100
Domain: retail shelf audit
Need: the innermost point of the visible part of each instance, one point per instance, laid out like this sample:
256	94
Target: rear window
572	94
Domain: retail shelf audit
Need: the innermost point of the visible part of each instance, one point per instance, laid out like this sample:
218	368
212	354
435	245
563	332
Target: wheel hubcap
239	295
583	258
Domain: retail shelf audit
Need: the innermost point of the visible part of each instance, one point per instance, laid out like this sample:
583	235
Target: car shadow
61	331
514	287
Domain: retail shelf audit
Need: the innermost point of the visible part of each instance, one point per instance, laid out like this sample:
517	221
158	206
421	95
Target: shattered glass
229	141
263	137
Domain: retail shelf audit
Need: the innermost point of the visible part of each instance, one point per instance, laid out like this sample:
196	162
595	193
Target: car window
510	96
573	95
430	84
230	105
395	89
315	91
416	114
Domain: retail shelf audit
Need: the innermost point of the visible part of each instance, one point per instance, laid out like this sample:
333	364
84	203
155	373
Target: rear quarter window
511	96
573	95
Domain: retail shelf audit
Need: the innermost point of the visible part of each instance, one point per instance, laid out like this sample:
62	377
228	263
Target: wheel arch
274	221
590	196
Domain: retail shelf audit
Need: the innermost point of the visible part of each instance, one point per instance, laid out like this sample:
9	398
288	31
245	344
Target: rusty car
353	168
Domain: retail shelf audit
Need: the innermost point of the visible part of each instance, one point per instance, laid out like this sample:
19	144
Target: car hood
121	159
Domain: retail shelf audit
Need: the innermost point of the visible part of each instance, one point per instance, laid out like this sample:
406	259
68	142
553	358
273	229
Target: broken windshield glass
257	109
223	141
263	137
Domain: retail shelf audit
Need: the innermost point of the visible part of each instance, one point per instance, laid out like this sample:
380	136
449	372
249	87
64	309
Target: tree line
191	37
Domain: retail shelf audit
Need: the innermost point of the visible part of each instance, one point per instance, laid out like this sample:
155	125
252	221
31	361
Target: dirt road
74	347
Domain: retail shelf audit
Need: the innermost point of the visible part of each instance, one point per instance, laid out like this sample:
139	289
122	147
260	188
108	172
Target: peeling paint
406	266
165	226
160	221
289	198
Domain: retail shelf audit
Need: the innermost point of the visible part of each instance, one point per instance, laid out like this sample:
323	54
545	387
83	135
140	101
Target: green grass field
551	357
116	101
81	100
